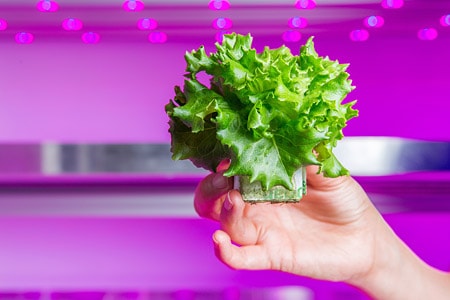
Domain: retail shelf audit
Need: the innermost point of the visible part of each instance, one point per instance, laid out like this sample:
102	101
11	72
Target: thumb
317	180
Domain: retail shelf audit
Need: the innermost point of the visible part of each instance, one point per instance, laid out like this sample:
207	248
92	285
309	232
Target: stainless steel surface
375	156
142	180
363	156
112	158
51	160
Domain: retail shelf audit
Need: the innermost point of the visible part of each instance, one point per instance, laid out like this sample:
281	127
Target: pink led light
147	24
24	38
47	6
297	22
219	35
374	21
90	37
305	4
72	24
3	24
291	36
222	23
219	5
392	3
157	37
445	20
427	34
359	35
133	5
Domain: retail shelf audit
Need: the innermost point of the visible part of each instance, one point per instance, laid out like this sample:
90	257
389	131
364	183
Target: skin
334	233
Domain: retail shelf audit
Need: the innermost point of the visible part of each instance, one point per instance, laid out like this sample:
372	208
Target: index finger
210	194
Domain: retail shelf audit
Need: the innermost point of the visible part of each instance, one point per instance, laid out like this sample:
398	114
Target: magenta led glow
3	24
427	34
392	3
291	36
374	21
222	23
297	22
359	35
90	37
47	6
219	5
157	37
147	24
305	4
24	38
219	35
72	24
445	20
133	5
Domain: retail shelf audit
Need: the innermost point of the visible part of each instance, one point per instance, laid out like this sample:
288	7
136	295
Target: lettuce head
270	112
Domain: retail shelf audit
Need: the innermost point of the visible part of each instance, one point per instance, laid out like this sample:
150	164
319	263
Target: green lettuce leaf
270	112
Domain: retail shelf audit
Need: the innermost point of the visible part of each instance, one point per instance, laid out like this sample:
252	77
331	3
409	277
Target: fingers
223	165
215	200
240	227
210	193
245	257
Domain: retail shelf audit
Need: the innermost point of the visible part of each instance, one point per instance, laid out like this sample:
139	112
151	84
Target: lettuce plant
270	113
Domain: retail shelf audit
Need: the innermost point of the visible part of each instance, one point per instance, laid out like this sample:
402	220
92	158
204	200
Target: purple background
112	92
116	92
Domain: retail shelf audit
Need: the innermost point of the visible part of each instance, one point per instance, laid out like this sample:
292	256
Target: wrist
397	273
387	267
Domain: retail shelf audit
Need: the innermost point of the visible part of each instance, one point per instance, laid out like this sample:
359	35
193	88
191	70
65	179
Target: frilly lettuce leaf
270	112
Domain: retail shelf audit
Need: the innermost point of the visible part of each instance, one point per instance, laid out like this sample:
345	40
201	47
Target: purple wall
100	93
112	92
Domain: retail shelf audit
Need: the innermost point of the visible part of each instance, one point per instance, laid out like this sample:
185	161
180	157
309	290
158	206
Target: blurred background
93	207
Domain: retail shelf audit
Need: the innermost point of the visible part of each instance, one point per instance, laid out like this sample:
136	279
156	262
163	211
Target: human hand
329	234
333	233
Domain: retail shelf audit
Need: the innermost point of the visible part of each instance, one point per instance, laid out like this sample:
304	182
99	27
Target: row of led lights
359	35
138	5
425	34
222	24
296	23
74	24
90	37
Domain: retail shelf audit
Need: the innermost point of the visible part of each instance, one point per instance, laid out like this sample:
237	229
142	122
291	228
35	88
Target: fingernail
219	181
227	204
215	241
